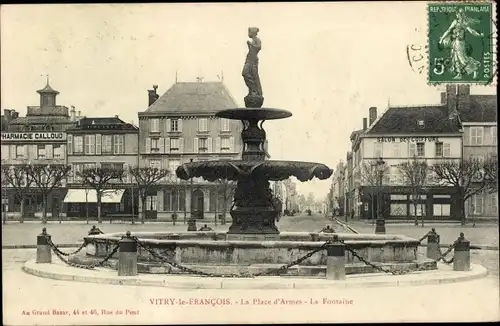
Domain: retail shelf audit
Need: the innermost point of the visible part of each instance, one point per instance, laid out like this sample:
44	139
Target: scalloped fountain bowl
212	252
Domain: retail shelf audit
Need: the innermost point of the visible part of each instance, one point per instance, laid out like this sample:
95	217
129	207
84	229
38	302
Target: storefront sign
407	139
33	136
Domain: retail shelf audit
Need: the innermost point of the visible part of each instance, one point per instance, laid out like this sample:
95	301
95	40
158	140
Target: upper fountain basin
270	170
254	114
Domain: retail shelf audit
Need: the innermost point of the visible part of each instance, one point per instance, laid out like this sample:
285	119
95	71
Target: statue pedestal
254	101
252	237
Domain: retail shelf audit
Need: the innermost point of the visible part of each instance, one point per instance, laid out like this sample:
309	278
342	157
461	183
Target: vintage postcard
249	163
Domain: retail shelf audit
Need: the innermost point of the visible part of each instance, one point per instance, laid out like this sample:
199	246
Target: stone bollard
192	225
127	258
335	261
43	249
461	256
433	249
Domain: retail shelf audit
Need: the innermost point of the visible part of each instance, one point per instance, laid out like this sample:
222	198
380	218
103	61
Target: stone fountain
253	243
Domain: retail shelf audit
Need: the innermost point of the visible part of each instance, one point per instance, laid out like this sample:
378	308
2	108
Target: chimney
463	98
6	113
451	98
72	114
116	116
79	115
14	114
443	98
372	115
152	95
365	123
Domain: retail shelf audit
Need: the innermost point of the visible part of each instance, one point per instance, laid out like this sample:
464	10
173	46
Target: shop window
399	209
441	209
399	197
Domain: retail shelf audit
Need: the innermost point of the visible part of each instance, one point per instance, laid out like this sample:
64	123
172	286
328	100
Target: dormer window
421	123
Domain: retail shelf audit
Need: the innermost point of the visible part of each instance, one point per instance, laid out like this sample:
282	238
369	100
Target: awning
89	196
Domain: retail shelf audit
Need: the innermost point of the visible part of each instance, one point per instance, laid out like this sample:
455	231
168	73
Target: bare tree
225	191
414	175
18	178
370	177
490	169
146	179
46	178
467	176
100	180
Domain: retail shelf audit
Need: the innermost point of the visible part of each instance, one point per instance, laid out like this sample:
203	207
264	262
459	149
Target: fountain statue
253	212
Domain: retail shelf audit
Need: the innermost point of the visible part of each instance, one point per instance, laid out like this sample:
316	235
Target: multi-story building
290	197
430	132
39	138
478	116
181	126
349	189
102	142
338	188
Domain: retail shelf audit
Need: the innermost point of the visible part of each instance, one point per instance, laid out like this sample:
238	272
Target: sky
327	63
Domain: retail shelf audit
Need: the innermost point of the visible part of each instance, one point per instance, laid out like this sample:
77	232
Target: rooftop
47	89
194	97
483	108
103	123
417	119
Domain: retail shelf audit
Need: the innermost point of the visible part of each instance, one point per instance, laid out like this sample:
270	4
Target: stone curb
64	245
192	282
472	247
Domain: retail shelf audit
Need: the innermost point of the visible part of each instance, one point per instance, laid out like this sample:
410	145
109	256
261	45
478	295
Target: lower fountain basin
212	251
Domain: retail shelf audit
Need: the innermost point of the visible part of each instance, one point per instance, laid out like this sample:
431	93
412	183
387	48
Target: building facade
181	126
478	116
338	189
429	133
39	138
102	142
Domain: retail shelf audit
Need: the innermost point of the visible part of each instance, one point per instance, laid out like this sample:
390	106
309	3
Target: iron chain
83	245
61	255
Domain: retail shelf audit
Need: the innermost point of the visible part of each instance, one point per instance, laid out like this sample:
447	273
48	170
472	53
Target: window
151	202
155	164
12	152
174	200
107	144
41	151
446	150
203	124
173	165
119	141
399	209
174	125
439	149
154	144
420	124
477	205
90	144
493	204
420	149
412	149
399	197
21	152
476	135
225	144
378	150
225	125
493	135
78	144
202	145
396	150
154	125
174	144
441	209
442	196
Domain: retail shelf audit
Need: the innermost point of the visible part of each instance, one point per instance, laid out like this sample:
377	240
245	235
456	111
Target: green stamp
460	43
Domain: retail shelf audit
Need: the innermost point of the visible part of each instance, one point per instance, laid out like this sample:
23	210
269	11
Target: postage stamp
460	43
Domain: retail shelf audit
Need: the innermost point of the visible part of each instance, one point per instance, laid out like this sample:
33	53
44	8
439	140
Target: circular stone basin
212	252
270	170
254	114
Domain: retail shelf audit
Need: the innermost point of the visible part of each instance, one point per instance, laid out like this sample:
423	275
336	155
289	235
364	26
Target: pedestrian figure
205	228
327	230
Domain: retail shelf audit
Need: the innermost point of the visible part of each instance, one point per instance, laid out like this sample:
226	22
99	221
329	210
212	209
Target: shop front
398	203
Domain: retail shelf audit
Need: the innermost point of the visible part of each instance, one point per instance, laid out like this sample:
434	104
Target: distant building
39	138
102	142
180	126
478	116
428	132
338	188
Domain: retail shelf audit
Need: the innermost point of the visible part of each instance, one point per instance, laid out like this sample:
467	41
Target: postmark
460	43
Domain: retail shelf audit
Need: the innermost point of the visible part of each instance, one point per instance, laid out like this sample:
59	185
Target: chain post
43	248
335	260
461	257
127	257
433	249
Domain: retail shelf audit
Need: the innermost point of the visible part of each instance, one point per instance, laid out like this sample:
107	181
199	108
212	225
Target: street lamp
380	224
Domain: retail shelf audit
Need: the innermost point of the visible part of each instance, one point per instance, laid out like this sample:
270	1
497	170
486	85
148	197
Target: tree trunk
99	199
44	212
22	201
462	212
143	213
372	210
133	205
415	205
